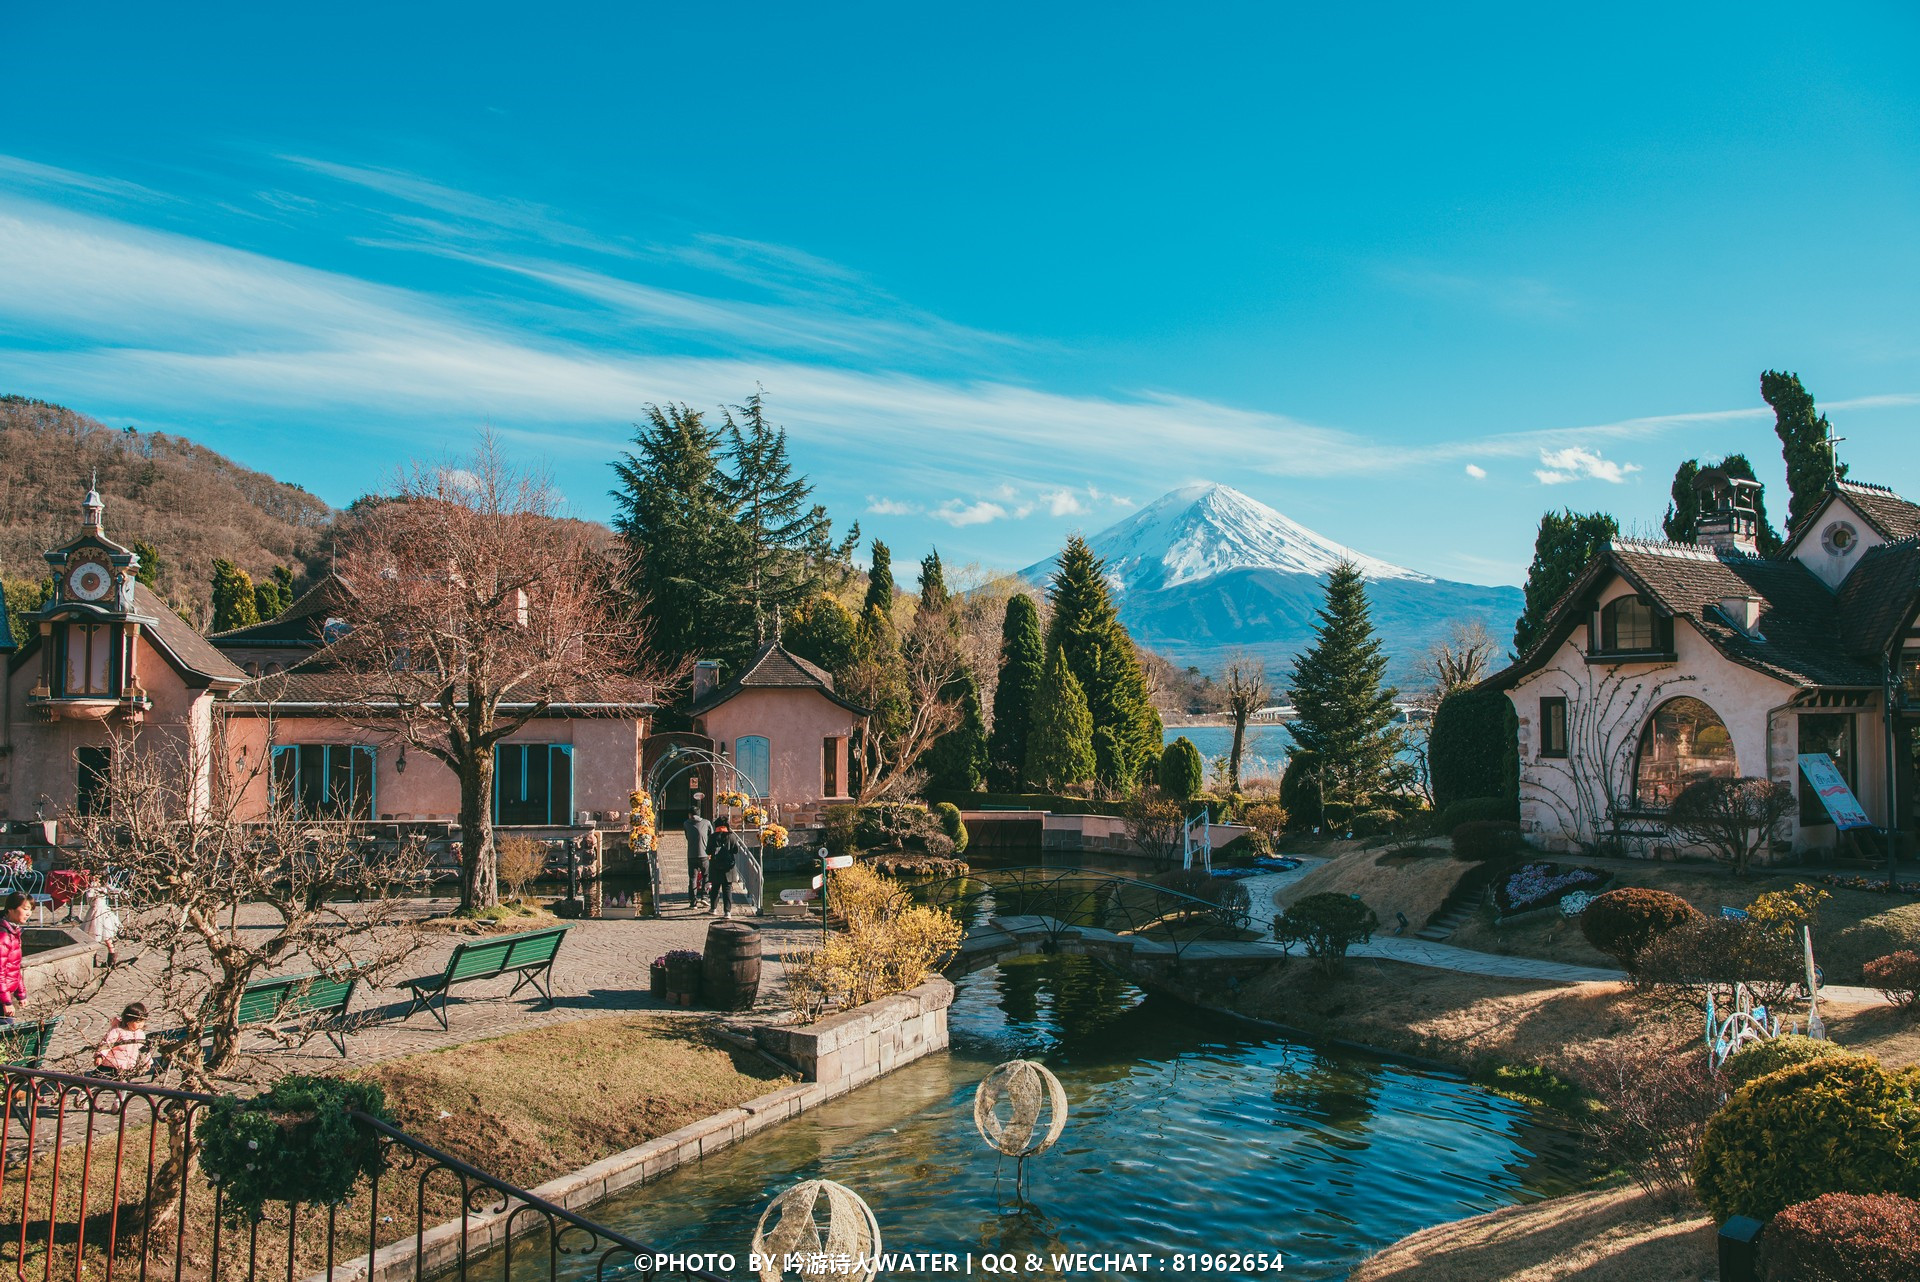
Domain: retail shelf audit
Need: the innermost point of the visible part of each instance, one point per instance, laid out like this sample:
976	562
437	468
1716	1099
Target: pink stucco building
784	728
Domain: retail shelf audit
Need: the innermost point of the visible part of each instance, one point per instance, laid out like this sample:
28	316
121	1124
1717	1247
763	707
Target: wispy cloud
891	507
1576	464
960	514
1477	472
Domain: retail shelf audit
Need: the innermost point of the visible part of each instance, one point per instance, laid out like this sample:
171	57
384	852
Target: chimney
706	678
1729	512
1743	612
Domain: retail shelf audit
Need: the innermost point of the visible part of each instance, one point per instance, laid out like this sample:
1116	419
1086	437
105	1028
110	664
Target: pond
1188	1133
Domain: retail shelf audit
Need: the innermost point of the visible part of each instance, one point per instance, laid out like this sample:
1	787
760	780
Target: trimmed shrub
950	823
1300	790
1487	839
1182	773
1478	810
1844	1237
1473	750
1268	818
1374	823
1328	924
1838	1124
1897	976
1761	1058
1622	922
1697	958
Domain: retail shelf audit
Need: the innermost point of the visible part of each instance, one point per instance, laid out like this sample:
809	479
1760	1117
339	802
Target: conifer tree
786	548
1086	627
1182	773
880	587
1022	666
684	548
822	632
1567	541
1346	714
151	564
877	678
1803	444
934	597
957	762
233	604
1060	746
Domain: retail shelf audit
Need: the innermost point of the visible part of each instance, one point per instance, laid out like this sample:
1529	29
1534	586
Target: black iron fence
98	1181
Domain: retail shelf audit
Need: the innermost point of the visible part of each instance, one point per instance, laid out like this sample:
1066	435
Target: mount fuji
1206	570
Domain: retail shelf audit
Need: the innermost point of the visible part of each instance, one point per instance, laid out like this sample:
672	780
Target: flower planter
683	981
657	980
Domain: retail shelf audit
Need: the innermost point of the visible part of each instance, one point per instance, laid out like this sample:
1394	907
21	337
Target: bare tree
1461	658
931	662
1734	819
1246	684
219	897
476	609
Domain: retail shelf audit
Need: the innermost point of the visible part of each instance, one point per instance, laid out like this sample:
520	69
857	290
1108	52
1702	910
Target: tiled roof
335	689
773	666
177	637
1878	596
301	623
1889	514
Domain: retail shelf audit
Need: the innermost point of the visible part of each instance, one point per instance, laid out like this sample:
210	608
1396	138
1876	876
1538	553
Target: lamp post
1887	694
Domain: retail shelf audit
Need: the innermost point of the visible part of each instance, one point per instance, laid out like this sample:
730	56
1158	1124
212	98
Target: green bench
23	1044
310	995
530	956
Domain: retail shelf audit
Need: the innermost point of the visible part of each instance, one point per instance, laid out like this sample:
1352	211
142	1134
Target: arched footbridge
1147	930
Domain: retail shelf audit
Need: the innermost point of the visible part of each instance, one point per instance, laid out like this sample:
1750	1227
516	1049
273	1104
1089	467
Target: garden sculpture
847	1249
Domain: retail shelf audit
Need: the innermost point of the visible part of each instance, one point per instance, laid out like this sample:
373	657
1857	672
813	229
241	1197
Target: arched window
751	758
1684	742
1628	625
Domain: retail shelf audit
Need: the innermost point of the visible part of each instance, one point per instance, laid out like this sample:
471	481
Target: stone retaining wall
859	1045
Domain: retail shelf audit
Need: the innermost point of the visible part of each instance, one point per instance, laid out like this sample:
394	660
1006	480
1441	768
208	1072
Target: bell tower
1729	512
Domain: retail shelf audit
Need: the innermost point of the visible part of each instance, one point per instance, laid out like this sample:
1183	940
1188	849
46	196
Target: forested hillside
183	499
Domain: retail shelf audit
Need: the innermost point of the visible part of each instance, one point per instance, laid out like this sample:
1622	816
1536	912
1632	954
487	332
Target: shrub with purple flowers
1541	885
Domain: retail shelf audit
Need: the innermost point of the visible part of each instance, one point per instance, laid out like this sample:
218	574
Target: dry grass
1607	1235
1886	1031
1412	884
537	1104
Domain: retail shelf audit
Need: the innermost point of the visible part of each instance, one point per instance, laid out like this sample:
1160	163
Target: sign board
1833	792
1733	914
837	861
817	879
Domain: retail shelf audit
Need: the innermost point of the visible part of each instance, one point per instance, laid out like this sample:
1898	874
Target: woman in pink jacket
13	980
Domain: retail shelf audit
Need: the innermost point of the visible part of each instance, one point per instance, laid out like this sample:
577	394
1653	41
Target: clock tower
87	629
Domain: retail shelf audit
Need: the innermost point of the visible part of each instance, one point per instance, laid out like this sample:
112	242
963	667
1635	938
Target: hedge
1471	810
1844	1237
1058	804
1473	749
1623	922
1761	1058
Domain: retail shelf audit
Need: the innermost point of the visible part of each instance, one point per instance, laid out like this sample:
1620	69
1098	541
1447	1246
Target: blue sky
1410	276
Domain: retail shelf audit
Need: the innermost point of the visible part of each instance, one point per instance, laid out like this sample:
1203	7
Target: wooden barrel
731	972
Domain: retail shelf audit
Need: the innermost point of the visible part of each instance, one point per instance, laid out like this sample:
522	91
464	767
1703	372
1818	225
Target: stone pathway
1419	952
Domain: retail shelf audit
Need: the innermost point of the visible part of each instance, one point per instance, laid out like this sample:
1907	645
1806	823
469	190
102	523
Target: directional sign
1833	792
817	879
837	861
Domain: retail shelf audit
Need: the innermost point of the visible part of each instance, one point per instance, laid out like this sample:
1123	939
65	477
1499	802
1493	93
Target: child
122	1053
101	922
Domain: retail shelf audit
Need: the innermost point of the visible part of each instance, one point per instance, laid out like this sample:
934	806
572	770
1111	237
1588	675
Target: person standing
13	978
722	859
699	836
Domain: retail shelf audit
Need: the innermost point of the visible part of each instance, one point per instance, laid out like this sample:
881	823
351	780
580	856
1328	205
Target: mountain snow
1201	531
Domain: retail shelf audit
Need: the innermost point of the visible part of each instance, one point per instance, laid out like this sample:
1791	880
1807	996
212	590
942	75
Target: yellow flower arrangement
773	836
732	799
754	816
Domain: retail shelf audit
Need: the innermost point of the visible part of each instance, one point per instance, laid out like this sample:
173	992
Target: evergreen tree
1109	758
877	677
957	762
934	597
1086	628
1346	715
272	596
1060	746
1022	663
233	605
24	597
1803	444
151	565
822	632
880	587
1566	543
684	548
786	548
1182	773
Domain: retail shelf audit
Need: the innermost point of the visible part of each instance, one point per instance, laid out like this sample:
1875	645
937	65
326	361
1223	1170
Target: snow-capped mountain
1206	570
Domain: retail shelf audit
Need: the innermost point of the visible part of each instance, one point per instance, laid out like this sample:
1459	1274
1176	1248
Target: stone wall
858	1045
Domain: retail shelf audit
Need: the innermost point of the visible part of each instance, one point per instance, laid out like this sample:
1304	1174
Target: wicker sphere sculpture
850	1231
1026	1086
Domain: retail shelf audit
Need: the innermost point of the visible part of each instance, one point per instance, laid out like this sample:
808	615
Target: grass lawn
1606	1235
1854	926
535	1105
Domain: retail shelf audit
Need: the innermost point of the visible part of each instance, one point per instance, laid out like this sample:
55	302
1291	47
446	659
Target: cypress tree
233	605
1182	773
957	761
934	597
1682	521
1086	628
880	587
1060	747
878	675
1109	758
1567	541
684	549
822	632
1803	444
1346	714
1022	661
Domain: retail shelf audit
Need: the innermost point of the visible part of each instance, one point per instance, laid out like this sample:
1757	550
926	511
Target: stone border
854	1047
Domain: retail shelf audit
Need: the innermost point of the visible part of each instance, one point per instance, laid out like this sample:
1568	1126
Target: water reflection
1187	1134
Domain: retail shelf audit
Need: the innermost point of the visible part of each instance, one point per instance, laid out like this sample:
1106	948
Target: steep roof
1889	515
1878	597
337	689
187	648
1799	638
774	667
301	624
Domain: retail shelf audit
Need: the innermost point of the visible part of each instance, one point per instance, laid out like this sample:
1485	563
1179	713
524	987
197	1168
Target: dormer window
1628	625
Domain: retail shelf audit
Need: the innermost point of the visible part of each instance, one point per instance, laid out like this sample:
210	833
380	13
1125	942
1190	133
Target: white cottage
1666	663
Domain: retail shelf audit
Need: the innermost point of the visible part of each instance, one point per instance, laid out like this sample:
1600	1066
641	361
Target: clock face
89	581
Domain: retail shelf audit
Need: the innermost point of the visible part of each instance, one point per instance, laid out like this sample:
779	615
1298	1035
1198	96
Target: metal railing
97	1181
1070	899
